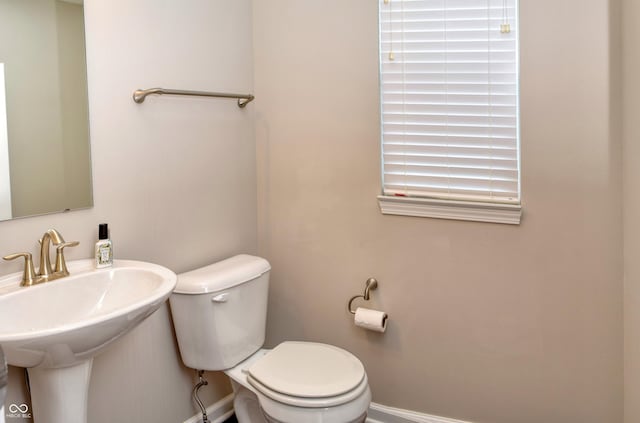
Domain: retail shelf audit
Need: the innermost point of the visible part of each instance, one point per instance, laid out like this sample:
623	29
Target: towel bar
140	95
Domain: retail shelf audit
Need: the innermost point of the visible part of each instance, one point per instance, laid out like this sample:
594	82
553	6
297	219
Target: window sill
450	209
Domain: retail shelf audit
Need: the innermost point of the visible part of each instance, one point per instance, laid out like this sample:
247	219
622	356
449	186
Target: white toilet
219	313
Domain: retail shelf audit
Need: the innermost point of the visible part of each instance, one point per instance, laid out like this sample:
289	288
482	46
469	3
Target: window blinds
449	91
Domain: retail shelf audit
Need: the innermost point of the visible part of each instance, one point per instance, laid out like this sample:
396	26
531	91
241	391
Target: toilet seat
308	374
311	402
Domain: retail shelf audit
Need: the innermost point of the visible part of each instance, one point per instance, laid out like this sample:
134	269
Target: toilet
219	313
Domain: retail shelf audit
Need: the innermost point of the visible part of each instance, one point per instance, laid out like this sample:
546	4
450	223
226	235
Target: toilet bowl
219	314
301	382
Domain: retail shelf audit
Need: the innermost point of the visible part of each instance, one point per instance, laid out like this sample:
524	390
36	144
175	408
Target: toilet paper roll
371	319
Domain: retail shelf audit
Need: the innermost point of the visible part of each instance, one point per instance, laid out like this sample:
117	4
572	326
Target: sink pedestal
60	395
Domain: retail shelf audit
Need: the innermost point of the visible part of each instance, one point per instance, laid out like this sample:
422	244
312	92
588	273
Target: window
449	106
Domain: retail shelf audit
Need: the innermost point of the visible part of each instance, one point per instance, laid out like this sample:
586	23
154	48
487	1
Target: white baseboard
383	414
217	412
221	410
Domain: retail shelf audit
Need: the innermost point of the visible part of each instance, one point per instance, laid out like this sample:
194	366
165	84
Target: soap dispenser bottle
104	247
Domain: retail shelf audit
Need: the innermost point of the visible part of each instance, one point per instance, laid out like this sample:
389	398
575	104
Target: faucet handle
61	265
29	275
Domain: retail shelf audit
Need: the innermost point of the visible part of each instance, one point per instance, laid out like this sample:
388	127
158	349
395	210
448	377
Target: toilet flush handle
220	298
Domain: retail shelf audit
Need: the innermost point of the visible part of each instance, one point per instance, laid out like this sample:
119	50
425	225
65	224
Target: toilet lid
308	369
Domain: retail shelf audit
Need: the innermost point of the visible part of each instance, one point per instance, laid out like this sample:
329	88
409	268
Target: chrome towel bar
140	95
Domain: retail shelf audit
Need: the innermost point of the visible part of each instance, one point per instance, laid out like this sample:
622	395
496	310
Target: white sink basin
61	325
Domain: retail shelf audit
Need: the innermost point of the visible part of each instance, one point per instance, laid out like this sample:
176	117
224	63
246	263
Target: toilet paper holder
370	285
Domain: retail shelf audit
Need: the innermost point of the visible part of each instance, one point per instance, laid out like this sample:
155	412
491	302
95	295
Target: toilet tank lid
222	275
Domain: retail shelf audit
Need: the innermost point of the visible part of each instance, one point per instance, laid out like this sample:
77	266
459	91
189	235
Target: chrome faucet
45	273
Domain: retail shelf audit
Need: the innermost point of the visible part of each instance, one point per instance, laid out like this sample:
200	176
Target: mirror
45	162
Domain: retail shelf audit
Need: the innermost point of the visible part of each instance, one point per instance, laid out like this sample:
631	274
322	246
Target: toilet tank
220	312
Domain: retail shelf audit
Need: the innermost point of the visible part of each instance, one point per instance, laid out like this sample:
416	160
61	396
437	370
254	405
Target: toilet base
361	419
246	405
353	412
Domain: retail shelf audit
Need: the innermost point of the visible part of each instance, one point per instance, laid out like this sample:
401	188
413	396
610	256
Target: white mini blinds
449	94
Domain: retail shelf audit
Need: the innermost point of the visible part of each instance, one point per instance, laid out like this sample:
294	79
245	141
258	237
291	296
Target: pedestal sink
55	329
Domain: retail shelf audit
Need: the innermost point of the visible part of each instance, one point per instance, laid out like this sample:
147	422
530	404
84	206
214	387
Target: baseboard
217	412
383	414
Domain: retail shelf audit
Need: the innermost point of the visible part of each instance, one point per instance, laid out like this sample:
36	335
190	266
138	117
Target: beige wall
631	148
488	323
174	178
